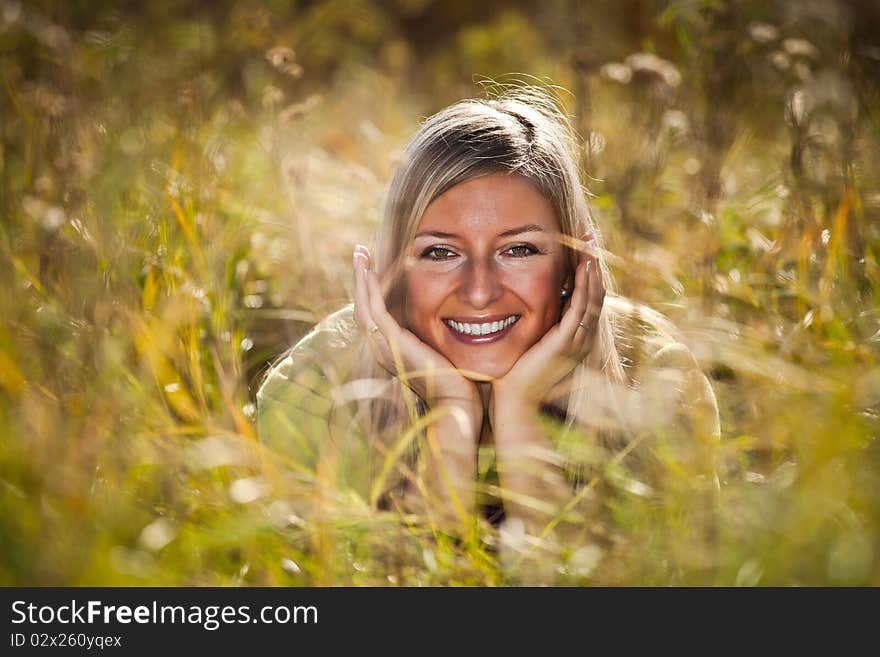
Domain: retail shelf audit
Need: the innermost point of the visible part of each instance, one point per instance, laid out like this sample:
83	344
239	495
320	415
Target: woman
483	371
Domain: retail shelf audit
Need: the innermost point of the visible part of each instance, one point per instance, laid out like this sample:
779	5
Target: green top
311	406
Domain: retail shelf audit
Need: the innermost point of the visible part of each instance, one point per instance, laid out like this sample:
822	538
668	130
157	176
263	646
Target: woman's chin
483	371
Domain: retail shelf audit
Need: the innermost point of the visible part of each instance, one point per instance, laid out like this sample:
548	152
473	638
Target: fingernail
587	267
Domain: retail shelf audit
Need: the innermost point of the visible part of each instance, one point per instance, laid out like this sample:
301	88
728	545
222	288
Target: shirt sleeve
673	408
302	420
694	429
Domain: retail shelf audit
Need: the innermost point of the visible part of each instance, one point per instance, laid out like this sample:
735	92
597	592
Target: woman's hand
422	369
563	347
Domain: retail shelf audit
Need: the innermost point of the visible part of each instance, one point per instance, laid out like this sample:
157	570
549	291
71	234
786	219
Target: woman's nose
481	285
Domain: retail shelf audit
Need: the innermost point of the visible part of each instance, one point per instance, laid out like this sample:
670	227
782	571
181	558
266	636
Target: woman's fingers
364	303
388	326
579	324
589	323
362	315
371	313
382	329
568	326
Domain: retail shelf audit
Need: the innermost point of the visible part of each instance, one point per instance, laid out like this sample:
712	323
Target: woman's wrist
461	413
509	400
453	399
466	399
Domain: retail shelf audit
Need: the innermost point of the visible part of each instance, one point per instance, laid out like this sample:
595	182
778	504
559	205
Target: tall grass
179	204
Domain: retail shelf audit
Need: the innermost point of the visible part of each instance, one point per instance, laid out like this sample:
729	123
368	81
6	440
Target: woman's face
485	273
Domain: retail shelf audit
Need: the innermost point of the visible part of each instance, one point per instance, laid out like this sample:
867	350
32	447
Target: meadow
180	190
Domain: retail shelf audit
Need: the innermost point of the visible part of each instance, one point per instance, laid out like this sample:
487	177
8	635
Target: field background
181	185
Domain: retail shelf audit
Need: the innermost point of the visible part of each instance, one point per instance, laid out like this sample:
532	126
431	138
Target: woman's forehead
498	203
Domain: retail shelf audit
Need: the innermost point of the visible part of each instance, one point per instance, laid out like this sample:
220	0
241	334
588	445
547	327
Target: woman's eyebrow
528	228
436	233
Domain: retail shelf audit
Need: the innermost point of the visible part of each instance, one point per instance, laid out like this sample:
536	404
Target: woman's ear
567	285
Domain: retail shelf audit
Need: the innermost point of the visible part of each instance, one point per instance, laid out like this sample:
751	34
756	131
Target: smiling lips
481	332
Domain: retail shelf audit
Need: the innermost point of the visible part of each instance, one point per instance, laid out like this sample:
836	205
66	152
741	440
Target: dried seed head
283	59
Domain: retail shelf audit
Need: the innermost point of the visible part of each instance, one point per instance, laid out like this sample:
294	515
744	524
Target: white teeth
485	328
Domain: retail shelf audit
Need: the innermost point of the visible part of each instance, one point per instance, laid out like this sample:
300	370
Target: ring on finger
372	330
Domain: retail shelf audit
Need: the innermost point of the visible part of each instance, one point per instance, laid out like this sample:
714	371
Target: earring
564	293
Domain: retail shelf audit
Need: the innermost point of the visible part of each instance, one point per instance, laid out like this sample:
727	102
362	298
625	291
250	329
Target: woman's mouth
480	332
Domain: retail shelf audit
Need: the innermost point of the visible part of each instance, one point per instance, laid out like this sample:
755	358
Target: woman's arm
305	429
449	463
453	402
530	472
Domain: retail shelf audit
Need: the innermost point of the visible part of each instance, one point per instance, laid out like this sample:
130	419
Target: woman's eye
437	253
521	250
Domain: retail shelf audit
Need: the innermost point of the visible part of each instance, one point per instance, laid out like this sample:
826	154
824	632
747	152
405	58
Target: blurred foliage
181	184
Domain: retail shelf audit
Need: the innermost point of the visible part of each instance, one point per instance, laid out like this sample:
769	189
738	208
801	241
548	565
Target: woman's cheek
540	289
425	294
